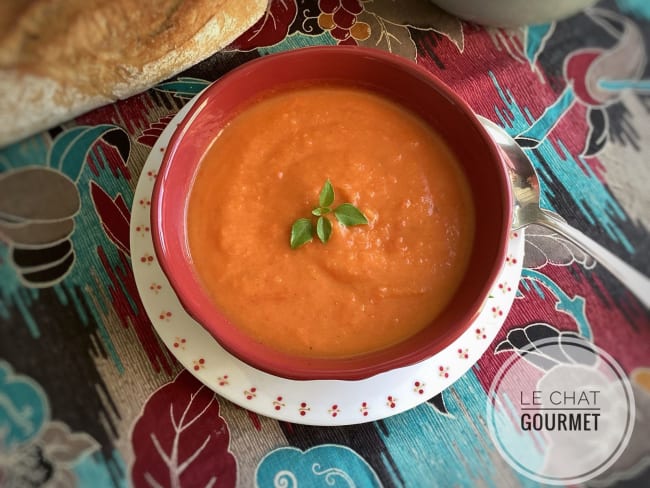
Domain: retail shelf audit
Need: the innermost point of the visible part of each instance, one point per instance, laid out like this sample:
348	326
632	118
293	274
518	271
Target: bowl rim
316	368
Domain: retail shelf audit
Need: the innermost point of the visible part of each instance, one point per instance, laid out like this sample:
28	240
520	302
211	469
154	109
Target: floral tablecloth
87	388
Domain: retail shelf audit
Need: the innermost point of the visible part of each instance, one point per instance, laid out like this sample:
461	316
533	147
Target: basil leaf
348	214
301	233
318	211
326	195
324	229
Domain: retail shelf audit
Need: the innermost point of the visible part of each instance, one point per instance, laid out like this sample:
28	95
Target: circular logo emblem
560	411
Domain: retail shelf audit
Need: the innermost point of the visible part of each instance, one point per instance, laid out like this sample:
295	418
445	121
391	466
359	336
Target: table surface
85	382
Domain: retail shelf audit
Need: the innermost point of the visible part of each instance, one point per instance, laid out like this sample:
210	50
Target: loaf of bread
61	58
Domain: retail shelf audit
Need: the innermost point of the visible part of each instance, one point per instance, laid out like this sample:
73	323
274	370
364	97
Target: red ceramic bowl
394	77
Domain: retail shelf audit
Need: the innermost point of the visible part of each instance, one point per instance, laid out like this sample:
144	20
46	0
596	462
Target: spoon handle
636	282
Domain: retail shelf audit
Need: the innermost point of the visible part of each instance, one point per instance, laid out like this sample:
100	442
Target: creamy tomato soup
369	286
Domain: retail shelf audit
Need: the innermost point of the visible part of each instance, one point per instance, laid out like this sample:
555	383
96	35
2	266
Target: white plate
322	402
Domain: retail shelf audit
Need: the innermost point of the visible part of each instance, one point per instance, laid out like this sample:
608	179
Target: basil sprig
302	230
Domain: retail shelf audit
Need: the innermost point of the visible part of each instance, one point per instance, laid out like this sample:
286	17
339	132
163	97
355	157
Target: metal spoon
526	194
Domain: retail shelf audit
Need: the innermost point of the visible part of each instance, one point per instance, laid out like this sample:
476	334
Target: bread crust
61	58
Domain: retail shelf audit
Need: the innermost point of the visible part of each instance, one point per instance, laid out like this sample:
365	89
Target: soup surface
369	286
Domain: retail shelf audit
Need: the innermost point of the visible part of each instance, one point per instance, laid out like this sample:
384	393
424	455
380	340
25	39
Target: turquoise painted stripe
22	303
536	36
93	470
575	307
104	335
298	40
551	116
616	85
79	308
95	161
60	294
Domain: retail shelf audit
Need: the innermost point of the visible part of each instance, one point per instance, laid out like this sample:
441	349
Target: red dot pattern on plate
480	333
510	259
145	202
443	371
463	353
165	315
179	343
198	364
418	387
152	175
391	401
143	229
155	287
223	380
514	234
147	259
334	410
497	312
278	404
303	409
504	287
250	393
364	409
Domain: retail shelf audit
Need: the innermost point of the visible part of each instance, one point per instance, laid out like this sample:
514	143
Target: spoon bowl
526	211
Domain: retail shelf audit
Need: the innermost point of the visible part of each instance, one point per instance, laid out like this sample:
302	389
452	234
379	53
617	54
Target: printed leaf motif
545	247
71	148
180	439
183	86
151	134
385	35
112	216
270	29
418	15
